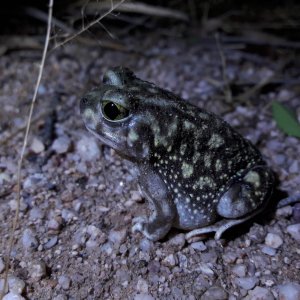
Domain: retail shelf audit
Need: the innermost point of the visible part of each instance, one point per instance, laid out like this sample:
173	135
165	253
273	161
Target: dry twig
20	162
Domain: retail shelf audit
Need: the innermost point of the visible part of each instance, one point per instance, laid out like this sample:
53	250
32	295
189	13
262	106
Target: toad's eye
113	111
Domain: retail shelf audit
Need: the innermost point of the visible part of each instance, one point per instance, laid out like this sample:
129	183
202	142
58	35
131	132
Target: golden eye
113	111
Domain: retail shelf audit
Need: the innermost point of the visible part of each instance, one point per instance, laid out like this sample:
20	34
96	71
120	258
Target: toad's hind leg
242	201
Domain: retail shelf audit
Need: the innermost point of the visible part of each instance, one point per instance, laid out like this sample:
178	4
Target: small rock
199	246
88	149
294	167
35	214
60	297
289	291
142	286
64	281
146	245
259	293
143	297
230	257
268	250
13	296
296	213
239	270
205	269
29	240
54	224
16	285
170	261
62	144
117	237
284	212
177	242
246	283
294	231
51	242
214	293
93	231
37	270
273	240
37	146
2	265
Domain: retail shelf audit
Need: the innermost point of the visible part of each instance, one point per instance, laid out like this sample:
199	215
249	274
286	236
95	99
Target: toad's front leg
163	208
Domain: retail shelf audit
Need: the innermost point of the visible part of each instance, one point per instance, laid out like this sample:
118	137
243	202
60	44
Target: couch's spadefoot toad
196	172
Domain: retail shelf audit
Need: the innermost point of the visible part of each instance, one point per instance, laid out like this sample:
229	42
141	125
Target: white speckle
133	136
215	141
182	149
187	170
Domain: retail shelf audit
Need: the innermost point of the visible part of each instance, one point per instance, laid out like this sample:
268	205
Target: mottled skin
194	168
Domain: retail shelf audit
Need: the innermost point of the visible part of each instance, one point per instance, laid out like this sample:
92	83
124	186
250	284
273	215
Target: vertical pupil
111	110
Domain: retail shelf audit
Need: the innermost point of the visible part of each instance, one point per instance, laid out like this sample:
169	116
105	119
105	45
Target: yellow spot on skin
196	157
253	177
205	180
133	136
207	161
188	125
182	149
215	141
218	165
187	170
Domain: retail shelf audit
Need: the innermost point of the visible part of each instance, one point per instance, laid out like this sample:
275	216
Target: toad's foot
219	228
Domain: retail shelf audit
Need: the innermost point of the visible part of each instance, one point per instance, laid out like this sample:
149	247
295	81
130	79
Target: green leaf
285	119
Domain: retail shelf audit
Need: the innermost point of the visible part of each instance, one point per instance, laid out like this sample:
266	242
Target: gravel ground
74	237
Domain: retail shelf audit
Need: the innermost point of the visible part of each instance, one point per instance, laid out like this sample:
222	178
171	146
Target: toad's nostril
85	101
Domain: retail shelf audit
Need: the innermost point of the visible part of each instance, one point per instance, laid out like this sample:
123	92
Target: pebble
143	297
51	242
16	285
239	270
37	270
29	240
294	231
205	269
88	149
62	144
64	281
284	212
294	167
13	296
170	261
268	250
2	265
177	242
37	146
60	297
273	240
229	257
35	214
146	245
199	246
259	293
246	283
54	224
296	213
142	286
214	293
117	237
289	291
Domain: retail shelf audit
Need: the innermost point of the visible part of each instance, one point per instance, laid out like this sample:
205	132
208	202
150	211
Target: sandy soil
74	237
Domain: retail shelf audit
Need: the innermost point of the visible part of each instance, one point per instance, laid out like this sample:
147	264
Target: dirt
74	238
